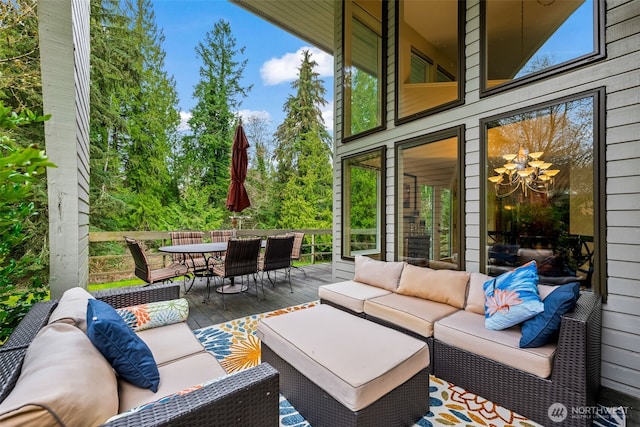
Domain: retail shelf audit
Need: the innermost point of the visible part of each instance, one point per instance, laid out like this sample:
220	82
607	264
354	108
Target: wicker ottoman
337	369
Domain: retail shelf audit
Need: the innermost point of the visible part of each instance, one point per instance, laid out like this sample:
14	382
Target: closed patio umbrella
237	198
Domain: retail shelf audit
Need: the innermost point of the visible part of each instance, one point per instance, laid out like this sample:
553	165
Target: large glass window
429	188
363	90
541	192
428	56
362	204
530	38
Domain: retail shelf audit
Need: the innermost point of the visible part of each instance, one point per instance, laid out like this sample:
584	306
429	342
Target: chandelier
525	171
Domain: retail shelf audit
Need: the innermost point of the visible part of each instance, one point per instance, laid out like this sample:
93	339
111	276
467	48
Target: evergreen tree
303	155
207	151
113	79
259	182
153	120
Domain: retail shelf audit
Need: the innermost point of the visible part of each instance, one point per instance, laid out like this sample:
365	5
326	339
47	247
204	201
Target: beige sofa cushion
334	350
350	294
170	342
174	377
415	314
475	298
466	330
382	274
72	308
63	376
445	286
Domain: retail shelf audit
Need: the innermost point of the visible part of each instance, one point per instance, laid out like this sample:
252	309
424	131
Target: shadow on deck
305	289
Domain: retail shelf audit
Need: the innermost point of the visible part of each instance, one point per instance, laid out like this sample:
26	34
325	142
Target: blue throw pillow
544	327
512	297
126	352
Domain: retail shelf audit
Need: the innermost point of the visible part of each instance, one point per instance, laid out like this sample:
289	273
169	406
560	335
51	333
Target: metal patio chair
297	250
144	271
277	256
195	262
241	260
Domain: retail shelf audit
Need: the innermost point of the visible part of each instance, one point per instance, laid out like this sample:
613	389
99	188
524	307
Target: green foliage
304	175
207	150
20	168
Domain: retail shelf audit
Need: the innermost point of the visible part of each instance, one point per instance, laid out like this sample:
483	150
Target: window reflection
428	225
362	107
363	186
530	36
540	192
428	55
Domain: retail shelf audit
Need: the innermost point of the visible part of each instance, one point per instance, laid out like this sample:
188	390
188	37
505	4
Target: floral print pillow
155	314
512	297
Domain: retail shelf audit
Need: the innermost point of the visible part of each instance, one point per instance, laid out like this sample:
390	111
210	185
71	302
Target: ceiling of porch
310	20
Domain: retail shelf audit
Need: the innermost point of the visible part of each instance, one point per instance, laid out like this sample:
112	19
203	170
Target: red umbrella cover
237	198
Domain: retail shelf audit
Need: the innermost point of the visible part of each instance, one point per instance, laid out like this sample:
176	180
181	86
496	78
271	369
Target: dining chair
144	271
296	251
221	236
195	262
241	260
277	256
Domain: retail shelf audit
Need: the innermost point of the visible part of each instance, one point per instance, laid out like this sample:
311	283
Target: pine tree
303	154
218	93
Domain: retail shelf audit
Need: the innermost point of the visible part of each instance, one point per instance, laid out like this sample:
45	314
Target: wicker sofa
249	397
449	317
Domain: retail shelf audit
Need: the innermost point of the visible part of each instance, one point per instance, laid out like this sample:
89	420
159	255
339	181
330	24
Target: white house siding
64	53
619	74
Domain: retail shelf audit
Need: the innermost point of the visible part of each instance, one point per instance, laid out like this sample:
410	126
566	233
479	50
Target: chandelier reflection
525	171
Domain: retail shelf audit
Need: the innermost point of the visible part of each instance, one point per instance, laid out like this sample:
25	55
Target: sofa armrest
126	297
576	365
246	398
30	325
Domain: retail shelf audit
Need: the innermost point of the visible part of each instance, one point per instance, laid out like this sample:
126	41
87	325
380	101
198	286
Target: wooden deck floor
305	289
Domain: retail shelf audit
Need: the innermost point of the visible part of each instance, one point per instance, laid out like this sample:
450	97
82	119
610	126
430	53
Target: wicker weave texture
401	407
126	297
247	398
574	380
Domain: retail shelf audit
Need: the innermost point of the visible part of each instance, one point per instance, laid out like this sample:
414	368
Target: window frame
460	100
383	76
599	53
381	206
599	277
459	133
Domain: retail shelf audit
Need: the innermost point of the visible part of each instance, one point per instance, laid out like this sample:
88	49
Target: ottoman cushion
336	351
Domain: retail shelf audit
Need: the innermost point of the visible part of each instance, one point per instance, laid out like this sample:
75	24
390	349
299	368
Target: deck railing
109	258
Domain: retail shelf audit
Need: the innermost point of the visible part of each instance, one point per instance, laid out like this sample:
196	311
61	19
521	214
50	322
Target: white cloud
327	116
261	114
184	118
285	68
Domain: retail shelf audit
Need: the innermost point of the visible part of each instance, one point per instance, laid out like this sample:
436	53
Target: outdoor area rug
236	346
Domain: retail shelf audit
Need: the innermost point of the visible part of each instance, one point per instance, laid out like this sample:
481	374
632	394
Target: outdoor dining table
205	249
212	248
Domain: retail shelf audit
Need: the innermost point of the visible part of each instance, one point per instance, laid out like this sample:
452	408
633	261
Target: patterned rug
236	346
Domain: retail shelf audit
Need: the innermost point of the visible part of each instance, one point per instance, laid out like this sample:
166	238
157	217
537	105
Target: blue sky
273	55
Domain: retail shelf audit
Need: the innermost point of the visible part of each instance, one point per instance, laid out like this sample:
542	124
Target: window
429	187
421	67
542	192
363	83
429	66
528	39
363	204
